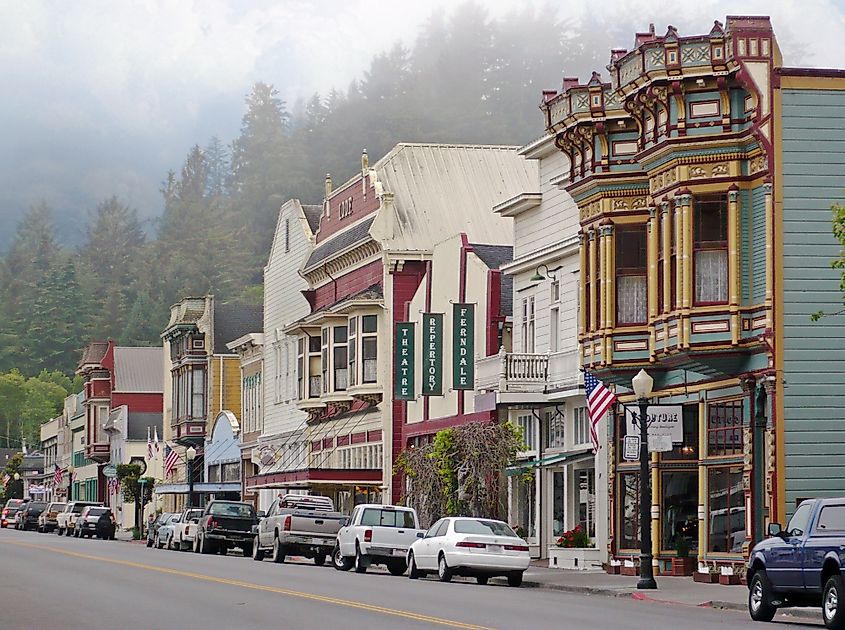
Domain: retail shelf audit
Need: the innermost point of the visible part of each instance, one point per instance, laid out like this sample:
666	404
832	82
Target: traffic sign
631	450
110	471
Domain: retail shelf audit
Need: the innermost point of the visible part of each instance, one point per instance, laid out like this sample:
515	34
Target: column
770	268
666	226
608	286
653	227
733	260
591	246
687	302
702	479
582	279
601	280
678	225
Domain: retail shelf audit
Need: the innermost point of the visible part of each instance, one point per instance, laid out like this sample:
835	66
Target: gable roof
234	320
312	215
139	369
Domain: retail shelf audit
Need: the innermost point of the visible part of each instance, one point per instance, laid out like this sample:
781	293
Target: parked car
96	521
164	535
183	536
224	525
152	530
802	564
66	519
7	516
28	515
376	534
471	547
298	525
47	519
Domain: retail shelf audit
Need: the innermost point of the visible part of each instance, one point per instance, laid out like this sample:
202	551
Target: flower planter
580	558
729	580
705	578
630	571
682	567
614	569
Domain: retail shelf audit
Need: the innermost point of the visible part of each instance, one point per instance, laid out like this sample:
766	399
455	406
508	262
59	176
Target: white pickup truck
66	519
298	525
376	534
185	530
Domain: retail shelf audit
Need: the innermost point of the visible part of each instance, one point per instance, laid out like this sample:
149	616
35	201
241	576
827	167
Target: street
49	580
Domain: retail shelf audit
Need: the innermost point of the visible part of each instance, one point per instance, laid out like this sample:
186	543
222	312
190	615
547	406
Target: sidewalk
670	590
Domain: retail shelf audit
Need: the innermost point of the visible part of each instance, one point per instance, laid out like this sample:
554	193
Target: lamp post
70	470
642	384
190	454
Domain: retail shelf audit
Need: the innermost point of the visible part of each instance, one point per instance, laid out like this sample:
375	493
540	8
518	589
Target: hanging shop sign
403	361
665	425
432	344
463	346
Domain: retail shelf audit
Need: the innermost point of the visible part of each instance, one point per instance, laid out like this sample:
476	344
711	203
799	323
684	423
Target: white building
559	482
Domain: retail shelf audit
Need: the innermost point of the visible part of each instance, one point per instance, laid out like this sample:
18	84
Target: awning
569	457
199	487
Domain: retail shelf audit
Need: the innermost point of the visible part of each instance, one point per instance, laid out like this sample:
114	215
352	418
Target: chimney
365	161
569	82
617	53
549	95
328	185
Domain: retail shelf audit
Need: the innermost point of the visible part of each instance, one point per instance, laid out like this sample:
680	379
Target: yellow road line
259	587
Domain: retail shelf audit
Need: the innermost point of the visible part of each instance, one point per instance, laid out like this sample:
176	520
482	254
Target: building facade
694	208
250	351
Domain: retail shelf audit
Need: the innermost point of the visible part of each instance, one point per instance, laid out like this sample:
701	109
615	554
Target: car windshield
388	518
97	511
36	507
242	510
485	528
57	507
13	503
193	514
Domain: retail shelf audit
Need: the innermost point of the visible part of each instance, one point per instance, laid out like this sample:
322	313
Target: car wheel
515	579
196	544
157	544
247	550
360	561
320	559
397	567
444	573
257	551
482	579
760	597
59	531
222	549
204	546
832	613
413	572
340	562
278	551
149	542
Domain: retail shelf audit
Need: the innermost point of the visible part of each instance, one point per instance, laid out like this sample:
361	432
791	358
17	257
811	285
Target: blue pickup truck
801	565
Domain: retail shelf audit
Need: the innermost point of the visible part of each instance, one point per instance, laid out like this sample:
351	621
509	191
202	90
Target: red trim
374	436
494	310
831	73
358	438
343	440
315	475
428	282
433	426
316	445
328	442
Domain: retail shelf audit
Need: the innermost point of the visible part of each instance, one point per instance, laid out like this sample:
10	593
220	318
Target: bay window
369	348
314	367
352	351
339	358
631	275
324	358
300	368
710	245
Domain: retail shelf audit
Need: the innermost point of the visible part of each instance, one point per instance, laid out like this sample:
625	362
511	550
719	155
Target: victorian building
535	383
202	398
250	351
372	252
703	171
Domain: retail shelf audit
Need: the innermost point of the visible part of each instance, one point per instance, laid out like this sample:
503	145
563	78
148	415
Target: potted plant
709	576
727	577
682	564
574	550
630	568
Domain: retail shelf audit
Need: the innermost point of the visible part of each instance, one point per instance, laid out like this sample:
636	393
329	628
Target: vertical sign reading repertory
432	331
463	346
404	361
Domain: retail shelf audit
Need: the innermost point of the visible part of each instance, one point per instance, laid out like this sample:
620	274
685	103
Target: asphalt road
47	581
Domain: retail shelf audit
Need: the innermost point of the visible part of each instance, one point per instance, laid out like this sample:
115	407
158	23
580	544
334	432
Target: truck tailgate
393	537
325	524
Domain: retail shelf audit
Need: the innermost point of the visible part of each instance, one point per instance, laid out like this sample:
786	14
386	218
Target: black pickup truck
224	525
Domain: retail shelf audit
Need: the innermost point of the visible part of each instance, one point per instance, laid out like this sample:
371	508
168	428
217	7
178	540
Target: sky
103	97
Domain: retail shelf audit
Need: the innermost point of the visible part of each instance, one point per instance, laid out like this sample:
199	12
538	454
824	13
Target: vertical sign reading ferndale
403	361
463	346
432	331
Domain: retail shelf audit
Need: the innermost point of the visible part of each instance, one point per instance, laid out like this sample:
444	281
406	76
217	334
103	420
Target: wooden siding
758	245
745	246
814	372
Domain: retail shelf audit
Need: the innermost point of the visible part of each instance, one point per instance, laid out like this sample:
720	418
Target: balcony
188	431
99	452
528	373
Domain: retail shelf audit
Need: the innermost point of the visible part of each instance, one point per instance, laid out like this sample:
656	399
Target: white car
471	547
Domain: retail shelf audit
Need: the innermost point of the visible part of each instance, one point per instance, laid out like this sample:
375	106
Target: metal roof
139	369
312	215
340	242
441	190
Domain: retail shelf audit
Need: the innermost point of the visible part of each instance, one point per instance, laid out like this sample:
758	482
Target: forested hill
467	78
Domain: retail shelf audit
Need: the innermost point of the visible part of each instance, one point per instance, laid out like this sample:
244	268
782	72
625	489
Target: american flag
599	399
6	479
58	473
114	485
155	440
149	445
171	457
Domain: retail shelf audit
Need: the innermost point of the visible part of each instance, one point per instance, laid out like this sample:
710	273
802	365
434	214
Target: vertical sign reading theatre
403	361
463	346
432	383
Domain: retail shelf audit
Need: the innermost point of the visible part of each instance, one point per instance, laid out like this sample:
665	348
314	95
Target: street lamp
190	454
70	470
539	277
643	384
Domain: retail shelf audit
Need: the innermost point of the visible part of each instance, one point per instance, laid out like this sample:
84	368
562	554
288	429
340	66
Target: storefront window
688	449
524	492
726	509
724	428
587	500
629	517
558	503
680	509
